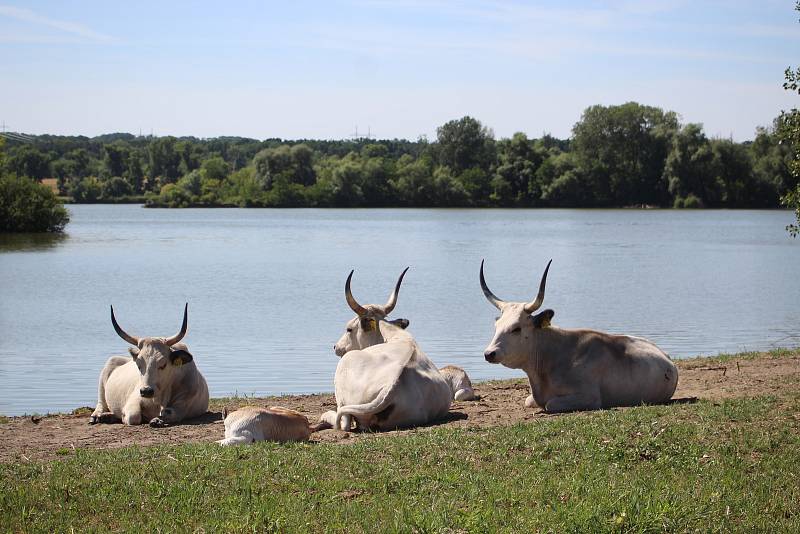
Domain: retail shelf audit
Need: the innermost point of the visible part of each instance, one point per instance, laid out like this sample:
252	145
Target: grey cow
159	383
576	369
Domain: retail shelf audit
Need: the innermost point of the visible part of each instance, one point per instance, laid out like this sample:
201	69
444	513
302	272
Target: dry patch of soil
499	403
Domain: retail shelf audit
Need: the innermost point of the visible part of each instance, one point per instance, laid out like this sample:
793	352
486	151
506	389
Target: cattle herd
384	380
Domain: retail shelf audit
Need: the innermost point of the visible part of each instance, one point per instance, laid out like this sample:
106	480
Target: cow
253	423
384	380
570	370
459	382
159	384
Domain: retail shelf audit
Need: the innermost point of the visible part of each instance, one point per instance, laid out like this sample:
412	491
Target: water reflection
30	242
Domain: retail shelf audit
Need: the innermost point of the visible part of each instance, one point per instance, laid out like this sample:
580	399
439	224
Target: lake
266	298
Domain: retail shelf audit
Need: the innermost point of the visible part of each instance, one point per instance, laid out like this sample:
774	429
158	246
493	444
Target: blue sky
399	68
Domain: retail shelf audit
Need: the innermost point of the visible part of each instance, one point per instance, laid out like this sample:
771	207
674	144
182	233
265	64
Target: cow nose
489	355
146	392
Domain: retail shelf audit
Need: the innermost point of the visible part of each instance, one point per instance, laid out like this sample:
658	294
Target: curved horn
496	302
122	333
355	306
533	306
177	337
389	306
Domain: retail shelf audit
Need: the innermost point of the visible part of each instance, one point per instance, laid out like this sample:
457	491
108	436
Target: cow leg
239	436
573	403
132	412
167	416
104	418
328	417
101	411
347	423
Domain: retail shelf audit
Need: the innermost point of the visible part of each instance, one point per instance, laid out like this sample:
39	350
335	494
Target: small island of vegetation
26	205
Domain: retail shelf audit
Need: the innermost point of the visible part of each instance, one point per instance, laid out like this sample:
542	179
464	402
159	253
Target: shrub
28	206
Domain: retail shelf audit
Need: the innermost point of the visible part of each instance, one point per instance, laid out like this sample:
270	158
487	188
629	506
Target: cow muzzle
490	355
147	392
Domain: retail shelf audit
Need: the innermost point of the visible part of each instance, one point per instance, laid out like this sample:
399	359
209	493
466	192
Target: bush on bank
28	206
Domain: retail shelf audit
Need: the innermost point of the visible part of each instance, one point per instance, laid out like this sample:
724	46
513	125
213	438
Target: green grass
751	355
712	467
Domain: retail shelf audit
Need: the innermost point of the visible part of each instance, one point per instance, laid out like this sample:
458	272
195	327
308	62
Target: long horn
389	306
355	306
177	337
496	302
122	333
533	306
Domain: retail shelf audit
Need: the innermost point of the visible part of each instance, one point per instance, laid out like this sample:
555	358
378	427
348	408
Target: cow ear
180	357
402	323
542	320
133	351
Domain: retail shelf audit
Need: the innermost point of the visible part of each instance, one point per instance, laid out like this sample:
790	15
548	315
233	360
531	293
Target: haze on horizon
399	68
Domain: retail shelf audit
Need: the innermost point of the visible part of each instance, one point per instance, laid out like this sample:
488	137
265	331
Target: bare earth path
500	403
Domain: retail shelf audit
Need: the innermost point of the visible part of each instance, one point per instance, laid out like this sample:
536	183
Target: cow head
517	327
158	359
363	330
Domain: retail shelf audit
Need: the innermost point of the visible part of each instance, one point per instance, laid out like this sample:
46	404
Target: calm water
265	287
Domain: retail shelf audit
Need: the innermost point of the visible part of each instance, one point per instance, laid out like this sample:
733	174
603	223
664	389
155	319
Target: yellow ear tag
545	323
177	361
370	325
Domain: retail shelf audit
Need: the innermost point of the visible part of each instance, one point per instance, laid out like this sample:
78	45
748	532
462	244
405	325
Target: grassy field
727	466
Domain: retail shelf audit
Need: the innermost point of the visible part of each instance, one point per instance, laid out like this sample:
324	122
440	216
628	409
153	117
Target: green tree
789	131
164	160
135	173
215	168
771	160
116	187
622	150
734	170
291	164
31	162
515	182
116	158
413	181
28	206
86	190
689	169
465	144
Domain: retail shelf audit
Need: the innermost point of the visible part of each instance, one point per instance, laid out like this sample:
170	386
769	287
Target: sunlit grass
709	466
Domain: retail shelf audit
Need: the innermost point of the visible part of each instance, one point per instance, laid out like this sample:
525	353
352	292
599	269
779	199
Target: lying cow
576	369
459	382
252	423
159	383
383	379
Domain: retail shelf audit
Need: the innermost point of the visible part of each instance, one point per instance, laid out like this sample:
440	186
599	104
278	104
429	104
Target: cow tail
377	405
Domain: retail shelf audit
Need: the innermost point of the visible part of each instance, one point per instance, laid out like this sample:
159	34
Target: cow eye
517	330
161	367
349	329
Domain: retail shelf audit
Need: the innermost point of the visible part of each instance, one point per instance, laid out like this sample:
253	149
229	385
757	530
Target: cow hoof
157	422
93	420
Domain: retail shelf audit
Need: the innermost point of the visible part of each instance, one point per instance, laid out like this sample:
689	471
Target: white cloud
26	15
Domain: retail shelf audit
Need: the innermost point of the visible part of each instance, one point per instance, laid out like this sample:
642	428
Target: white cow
253	423
459	382
383	379
159	383
572	370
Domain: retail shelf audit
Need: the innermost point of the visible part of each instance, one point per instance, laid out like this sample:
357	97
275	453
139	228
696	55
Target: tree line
617	156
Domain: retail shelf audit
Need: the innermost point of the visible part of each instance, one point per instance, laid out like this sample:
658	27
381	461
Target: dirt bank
500	403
